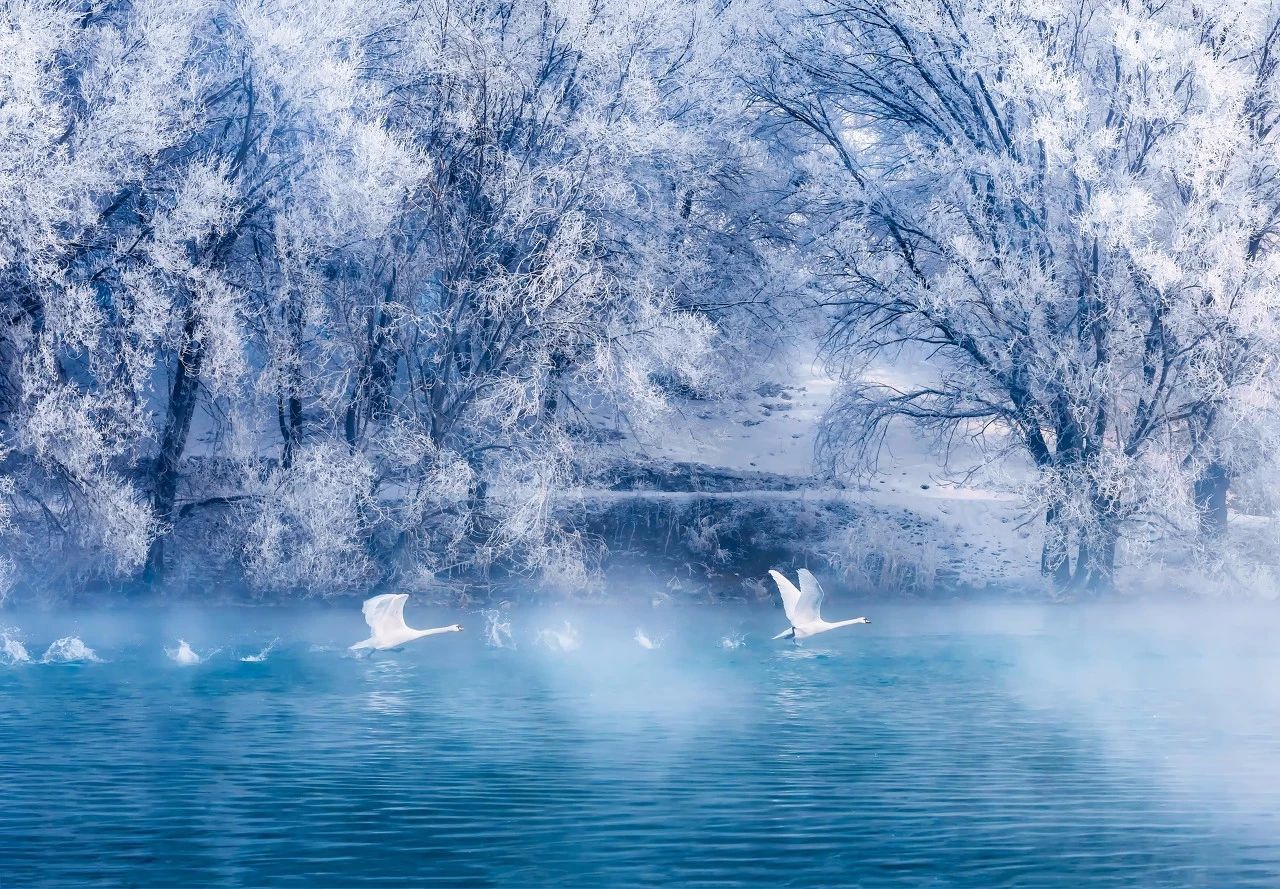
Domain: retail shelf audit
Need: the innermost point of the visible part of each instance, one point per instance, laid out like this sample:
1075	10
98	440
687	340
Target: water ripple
878	761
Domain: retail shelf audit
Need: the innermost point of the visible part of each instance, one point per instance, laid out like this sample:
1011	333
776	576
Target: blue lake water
941	746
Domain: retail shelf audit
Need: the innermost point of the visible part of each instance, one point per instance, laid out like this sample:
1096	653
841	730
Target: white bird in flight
804	606
385	616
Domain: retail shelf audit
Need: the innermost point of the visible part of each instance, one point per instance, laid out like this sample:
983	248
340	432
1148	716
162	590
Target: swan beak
866	620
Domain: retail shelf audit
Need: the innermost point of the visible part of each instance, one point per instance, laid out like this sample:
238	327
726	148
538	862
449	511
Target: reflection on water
941	746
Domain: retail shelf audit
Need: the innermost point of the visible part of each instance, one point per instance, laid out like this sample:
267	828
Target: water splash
262	655
69	650
559	640
733	641
12	651
643	640
497	630
183	655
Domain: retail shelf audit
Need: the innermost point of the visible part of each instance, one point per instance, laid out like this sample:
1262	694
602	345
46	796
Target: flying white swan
385	616
804	606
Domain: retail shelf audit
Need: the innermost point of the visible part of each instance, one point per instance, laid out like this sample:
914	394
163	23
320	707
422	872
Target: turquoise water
942	746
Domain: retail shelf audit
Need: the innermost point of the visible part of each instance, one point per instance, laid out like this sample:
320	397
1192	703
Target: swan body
385	616
804	606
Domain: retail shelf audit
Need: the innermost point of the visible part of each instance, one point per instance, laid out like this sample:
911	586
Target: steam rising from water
971	726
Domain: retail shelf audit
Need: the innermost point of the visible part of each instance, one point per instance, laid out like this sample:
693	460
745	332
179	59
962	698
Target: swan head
864	620
456	628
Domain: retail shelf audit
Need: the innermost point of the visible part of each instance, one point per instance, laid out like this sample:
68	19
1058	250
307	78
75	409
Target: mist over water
947	745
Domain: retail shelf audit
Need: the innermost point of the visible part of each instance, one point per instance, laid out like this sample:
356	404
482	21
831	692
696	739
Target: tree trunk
1055	561
1211	500
1096	565
182	403
289	413
289	404
1055	556
376	375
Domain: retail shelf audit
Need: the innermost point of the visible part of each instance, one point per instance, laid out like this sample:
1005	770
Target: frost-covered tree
99	105
352	282
1054	204
548	239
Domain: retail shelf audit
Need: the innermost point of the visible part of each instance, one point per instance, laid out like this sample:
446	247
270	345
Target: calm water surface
942	746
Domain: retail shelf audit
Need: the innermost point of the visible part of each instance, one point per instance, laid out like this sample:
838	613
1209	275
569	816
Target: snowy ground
913	511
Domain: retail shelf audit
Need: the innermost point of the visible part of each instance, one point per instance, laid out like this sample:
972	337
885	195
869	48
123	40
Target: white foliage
8	569
1065	208
308	527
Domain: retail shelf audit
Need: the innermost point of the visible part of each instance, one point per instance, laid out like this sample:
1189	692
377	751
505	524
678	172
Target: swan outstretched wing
809	609
385	614
790	595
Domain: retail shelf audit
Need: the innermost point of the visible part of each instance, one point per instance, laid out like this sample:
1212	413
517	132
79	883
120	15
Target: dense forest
325	295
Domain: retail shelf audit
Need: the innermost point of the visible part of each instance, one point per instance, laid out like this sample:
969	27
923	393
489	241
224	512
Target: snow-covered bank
725	487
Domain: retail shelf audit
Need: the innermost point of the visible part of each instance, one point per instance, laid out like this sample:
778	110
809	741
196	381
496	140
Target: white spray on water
12	651
261	655
733	640
183	655
559	640
643	640
68	650
497	630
